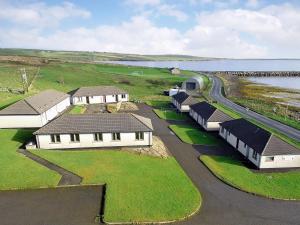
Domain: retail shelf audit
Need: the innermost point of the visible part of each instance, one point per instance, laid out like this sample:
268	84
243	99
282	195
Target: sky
207	28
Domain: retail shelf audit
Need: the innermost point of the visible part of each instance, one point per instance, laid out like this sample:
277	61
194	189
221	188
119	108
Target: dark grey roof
184	99
276	146
35	104
92	123
254	136
209	112
98	91
259	139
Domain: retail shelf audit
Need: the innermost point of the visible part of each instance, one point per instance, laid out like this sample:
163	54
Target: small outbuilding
34	111
259	146
208	116
95	130
193	84
175	71
182	101
99	94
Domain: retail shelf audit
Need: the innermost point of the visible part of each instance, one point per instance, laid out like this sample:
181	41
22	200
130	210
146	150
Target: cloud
269	32
143	2
172	11
40	14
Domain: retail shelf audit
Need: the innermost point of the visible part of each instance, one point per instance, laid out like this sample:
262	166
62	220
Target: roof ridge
137	117
25	100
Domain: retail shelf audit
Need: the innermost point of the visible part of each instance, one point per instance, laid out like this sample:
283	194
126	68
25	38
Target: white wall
29	121
184	108
231	139
255	161
281	161
20	121
99	99
87	141
242	148
212	126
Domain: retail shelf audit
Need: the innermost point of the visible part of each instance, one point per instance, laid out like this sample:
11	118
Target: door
117	98
87	100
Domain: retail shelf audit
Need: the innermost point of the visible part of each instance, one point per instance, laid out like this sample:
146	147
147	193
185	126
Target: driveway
222	204
58	206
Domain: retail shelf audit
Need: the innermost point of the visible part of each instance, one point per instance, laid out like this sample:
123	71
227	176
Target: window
80	99
116	136
222	129
55	138
98	137
254	155
245	145
74	137
270	159
139	136
123	96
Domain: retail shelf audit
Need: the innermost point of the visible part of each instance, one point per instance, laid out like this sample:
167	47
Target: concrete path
222	204
67	177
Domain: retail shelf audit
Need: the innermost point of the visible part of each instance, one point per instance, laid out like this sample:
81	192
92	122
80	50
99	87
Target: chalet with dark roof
208	116
259	146
182	101
95	130
34	111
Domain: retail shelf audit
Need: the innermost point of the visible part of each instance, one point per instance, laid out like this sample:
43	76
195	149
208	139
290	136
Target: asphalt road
217	95
222	204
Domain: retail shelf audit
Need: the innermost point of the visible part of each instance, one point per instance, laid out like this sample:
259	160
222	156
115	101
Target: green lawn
275	185
139	188
77	109
191	135
17	171
159	104
169	115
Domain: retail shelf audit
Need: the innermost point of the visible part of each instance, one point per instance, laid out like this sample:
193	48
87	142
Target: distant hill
84	56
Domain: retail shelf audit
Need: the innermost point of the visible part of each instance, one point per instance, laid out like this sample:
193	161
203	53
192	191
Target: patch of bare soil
158	149
24	60
128	106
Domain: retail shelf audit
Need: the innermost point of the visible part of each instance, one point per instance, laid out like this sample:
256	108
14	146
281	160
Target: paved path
52	206
67	177
222	204
217	95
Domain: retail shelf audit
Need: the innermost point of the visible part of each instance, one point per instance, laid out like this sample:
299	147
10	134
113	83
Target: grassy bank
17	171
274	185
139	188
78	109
192	135
170	115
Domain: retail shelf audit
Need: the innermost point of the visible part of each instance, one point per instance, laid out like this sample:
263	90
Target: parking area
76	205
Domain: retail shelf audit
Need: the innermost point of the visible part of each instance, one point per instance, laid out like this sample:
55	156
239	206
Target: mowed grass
77	109
285	185
169	115
192	135
69	76
139	188
159	104
17	171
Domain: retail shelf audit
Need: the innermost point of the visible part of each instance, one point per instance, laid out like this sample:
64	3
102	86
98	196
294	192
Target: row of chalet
38	110
257	145
65	131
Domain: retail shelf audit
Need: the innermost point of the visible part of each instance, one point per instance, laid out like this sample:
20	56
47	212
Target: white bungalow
34	111
259	146
94	131
208	116
99	94
182	101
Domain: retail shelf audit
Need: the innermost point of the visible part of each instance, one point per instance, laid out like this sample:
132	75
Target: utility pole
24	80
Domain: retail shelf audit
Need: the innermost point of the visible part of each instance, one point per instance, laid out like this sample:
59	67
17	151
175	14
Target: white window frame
76	140
98	137
55	138
116	136
139	136
123	96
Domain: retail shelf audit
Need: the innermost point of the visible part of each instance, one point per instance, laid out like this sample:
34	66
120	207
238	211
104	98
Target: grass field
17	171
274	185
191	135
139	188
77	109
159	104
169	115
